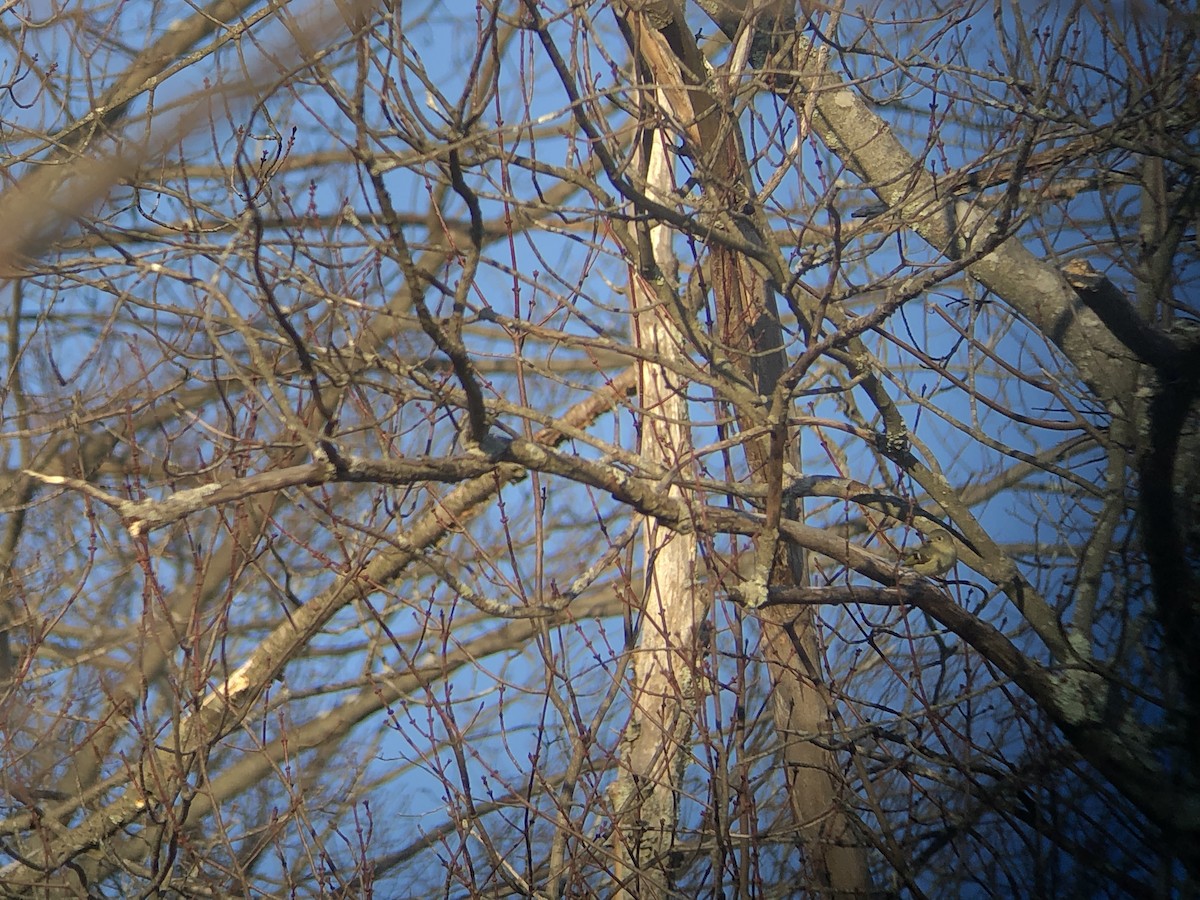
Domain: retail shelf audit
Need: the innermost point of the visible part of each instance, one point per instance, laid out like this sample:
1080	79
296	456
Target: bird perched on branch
936	556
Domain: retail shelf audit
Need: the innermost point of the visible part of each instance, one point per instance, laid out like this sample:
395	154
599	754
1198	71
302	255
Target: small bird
936	556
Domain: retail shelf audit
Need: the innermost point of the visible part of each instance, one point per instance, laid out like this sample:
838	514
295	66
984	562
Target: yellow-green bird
936	556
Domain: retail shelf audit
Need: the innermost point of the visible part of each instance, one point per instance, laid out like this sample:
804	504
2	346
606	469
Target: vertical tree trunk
655	744
749	326
751	336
